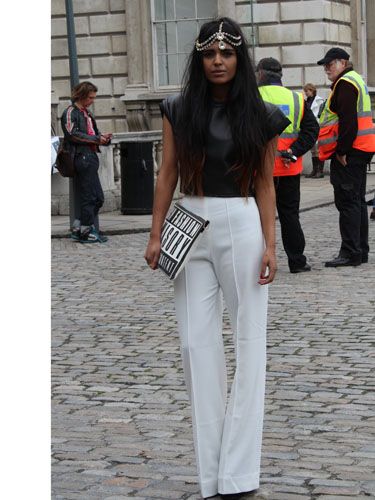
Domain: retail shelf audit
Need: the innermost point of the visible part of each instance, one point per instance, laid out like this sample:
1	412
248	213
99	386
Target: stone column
139	44
359	46
139	51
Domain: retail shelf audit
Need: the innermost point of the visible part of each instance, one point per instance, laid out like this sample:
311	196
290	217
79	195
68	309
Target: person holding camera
298	138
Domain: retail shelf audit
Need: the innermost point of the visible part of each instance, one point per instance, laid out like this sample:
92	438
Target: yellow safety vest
292	105
329	121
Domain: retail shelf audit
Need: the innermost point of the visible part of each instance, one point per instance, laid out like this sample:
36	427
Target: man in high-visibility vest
298	138
347	137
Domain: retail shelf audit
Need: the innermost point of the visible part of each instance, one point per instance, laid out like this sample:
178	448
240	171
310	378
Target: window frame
155	54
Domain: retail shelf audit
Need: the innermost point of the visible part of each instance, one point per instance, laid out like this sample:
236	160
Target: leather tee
219	179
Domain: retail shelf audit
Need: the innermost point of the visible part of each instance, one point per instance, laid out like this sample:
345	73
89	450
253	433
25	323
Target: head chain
220	35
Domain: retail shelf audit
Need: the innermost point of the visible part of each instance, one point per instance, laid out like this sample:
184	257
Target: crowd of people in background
346	113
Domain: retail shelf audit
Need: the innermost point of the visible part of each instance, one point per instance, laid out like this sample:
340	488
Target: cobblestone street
120	413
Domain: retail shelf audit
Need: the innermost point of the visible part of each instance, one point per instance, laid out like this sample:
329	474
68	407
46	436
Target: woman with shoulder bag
220	139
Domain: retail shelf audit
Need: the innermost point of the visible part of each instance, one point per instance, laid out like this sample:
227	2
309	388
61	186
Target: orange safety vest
292	105
329	120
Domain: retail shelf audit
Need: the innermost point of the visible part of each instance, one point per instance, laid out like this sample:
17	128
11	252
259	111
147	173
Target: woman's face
309	93
219	65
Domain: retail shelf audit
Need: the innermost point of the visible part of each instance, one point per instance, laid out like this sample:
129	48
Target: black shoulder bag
65	160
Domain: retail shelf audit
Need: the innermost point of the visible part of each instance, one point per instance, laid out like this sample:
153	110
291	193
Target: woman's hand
268	262
152	252
265	198
165	186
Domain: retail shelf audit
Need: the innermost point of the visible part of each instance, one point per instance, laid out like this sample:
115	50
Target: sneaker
76	234
90	236
103	237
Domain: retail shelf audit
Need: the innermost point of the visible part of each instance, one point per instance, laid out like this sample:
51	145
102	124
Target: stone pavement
120	414
314	193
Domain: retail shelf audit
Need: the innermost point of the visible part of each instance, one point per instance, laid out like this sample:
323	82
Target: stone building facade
134	51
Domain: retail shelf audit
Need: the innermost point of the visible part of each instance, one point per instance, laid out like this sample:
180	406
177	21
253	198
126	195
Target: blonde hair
310	86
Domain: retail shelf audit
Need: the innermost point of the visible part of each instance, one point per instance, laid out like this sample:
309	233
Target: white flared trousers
226	262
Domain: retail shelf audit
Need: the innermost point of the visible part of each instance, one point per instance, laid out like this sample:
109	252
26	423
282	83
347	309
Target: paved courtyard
121	418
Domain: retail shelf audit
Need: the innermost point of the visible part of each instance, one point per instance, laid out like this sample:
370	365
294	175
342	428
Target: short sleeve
170	107
277	122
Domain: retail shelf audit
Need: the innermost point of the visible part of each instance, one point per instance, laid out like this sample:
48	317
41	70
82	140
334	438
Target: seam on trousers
236	337
195	427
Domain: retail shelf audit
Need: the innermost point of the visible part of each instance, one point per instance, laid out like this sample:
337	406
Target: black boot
320	170
314	169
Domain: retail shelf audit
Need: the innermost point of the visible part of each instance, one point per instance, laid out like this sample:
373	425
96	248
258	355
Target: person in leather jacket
219	141
82	137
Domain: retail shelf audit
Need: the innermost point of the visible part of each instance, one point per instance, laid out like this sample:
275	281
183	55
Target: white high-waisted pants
227	437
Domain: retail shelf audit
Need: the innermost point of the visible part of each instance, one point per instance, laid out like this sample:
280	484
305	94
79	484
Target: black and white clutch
181	231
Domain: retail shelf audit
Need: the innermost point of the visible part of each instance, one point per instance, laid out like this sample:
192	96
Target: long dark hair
245	110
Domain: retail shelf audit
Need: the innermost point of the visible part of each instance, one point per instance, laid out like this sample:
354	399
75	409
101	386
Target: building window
176	24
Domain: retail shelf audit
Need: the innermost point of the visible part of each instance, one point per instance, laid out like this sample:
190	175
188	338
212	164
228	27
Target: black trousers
90	192
349	186
287	202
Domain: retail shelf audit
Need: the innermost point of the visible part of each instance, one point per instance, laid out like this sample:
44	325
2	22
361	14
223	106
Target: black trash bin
137	178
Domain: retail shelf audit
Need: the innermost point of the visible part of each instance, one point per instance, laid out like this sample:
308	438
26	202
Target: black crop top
218	178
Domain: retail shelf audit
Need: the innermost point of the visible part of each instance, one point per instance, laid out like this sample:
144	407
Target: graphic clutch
181	232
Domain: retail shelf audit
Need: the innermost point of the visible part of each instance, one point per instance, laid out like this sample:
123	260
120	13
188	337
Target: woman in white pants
220	139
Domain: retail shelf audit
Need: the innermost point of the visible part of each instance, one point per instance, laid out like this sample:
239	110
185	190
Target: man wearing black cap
298	138
347	137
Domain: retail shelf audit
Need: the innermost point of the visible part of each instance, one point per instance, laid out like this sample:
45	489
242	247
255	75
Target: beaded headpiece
220	36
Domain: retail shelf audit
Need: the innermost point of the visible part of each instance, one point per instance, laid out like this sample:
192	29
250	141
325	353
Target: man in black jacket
347	137
82	136
296	140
